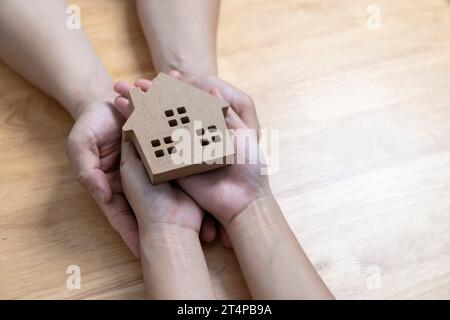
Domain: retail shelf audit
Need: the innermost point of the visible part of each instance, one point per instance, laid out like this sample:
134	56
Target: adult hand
93	148
227	191
243	108
241	102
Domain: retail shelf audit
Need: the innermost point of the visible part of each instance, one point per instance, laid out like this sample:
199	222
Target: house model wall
168	105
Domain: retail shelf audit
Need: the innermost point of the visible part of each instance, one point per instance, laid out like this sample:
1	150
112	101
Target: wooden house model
168	105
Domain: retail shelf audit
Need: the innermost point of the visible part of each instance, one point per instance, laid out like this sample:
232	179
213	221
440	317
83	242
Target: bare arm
181	34
173	263
172	258
272	261
35	42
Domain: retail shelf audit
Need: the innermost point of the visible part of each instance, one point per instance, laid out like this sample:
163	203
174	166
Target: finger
122	105
208	228
111	156
128	153
144	84
234	121
83	153
122	88
134	178
232	118
224	237
114	181
175	74
216	92
96	182
123	221
242	103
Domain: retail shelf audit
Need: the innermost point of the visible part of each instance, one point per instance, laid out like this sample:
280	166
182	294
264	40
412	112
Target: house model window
168	105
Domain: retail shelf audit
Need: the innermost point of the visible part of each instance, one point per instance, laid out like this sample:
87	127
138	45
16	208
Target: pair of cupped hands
113	173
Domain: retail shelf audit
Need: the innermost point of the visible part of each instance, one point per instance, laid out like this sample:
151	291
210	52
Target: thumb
128	152
84	156
122	105
97	183
132	170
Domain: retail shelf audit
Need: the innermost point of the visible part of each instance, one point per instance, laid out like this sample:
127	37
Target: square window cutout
185	120
156	143
159	153
168	139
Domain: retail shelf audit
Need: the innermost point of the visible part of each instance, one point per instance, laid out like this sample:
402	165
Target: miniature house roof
166	94
170	104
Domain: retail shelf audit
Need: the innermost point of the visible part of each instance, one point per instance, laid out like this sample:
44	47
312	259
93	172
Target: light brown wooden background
364	179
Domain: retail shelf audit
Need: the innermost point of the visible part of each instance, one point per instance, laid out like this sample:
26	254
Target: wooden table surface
364	122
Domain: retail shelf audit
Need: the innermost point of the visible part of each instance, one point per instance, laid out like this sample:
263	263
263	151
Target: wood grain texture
364	179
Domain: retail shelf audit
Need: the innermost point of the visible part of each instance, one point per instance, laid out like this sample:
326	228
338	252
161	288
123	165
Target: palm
225	191
228	190
165	203
154	204
94	149
103	125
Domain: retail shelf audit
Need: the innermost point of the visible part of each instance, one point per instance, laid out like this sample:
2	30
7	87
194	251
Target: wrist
166	231
173	263
244	200
167	236
79	99
259	214
189	64
105	99
271	259
167	222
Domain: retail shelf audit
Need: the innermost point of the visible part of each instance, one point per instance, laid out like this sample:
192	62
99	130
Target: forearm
35	41
181	34
173	263
272	261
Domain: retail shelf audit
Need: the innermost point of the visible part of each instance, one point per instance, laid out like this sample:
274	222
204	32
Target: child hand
155	204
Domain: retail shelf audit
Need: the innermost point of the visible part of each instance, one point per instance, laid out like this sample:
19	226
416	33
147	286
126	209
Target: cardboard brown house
168	105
